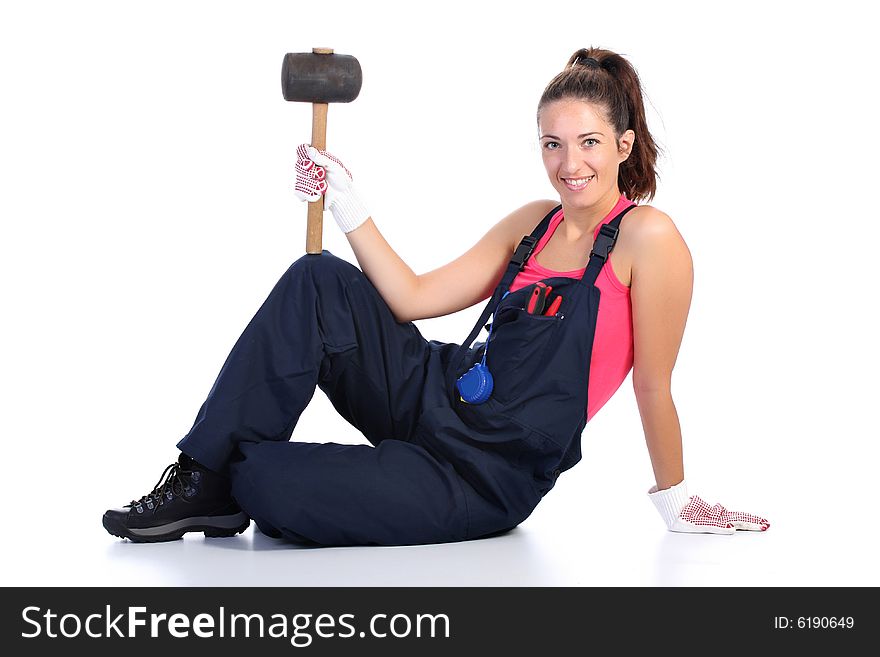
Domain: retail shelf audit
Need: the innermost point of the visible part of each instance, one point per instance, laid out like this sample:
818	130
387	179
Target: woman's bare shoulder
646	220
652	233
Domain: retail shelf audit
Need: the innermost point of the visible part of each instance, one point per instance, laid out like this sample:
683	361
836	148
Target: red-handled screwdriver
538	298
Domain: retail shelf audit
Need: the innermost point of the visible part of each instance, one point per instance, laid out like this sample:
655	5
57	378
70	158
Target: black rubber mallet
319	77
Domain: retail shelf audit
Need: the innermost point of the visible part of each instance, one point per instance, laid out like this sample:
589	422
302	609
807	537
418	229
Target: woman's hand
310	183
690	514
318	172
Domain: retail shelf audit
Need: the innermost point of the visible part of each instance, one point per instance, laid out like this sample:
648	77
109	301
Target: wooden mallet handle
315	222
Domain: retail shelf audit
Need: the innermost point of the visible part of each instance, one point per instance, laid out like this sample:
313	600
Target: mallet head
320	77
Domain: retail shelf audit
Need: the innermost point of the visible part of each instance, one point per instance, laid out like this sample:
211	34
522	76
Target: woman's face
580	153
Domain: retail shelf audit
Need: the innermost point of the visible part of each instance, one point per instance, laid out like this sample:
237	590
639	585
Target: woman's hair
608	80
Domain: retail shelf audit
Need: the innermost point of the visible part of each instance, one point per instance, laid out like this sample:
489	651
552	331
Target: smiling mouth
577	184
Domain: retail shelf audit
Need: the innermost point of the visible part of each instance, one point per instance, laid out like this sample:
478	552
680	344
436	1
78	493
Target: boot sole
211	526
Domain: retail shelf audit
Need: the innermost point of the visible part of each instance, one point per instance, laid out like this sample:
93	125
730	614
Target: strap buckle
523	251
604	242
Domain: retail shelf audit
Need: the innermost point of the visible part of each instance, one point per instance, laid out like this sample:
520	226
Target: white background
146	156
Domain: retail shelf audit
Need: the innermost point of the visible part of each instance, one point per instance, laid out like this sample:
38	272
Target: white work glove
341	199
310	183
690	514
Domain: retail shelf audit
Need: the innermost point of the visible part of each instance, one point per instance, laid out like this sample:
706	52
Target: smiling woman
465	439
583	167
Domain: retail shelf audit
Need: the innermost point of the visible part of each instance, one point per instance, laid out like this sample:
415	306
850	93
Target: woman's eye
551	145
594	141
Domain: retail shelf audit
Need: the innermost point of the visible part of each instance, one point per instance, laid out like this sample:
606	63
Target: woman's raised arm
467	280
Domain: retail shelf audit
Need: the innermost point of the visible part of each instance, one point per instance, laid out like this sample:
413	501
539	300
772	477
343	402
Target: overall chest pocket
517	351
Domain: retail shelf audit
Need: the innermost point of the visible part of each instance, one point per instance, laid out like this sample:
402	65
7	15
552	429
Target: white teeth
578	182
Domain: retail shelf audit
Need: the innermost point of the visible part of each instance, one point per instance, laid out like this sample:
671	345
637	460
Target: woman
466	440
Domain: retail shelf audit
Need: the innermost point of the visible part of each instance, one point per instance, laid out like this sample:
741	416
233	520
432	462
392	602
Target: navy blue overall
437	469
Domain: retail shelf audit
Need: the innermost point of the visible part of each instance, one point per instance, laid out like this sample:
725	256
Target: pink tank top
612	357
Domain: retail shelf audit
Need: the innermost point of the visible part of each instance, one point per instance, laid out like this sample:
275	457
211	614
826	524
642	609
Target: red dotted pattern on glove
309	176
699	512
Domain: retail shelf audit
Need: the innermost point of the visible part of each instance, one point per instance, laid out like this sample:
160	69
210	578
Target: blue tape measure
475	386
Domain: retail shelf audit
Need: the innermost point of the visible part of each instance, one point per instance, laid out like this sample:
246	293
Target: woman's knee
324	266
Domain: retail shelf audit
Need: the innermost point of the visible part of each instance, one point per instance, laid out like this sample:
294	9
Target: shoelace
170	481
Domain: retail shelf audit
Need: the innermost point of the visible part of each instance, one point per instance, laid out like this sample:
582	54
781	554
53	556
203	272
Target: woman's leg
396	493
323	324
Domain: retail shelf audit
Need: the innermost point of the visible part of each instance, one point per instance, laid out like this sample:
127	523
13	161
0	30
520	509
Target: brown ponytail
606	79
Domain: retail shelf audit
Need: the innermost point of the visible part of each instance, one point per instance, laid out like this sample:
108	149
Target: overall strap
603	246
517	262
524	250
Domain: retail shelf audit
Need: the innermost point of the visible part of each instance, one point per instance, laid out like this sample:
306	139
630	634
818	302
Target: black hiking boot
188	498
